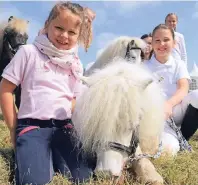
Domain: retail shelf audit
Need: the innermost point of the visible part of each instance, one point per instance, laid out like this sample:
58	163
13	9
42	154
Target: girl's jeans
44	147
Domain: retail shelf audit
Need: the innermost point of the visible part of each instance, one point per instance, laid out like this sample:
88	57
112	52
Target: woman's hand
168	110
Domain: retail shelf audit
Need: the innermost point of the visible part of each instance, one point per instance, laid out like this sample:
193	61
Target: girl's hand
168	110
73	104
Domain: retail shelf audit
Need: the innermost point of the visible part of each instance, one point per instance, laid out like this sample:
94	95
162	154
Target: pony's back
117	48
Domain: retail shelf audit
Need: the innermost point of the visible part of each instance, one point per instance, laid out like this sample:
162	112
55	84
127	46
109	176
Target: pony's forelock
19	25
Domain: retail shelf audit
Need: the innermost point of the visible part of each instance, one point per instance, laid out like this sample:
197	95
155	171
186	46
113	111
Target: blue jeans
45	147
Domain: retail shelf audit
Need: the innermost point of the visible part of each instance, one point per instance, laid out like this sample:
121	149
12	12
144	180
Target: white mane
117	97
117	48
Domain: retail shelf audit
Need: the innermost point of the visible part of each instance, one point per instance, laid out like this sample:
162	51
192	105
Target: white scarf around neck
66	59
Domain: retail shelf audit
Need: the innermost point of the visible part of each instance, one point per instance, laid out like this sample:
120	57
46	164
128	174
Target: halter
13	49
129	150
132	46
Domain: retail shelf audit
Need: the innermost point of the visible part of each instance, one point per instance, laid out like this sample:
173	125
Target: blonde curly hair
85	37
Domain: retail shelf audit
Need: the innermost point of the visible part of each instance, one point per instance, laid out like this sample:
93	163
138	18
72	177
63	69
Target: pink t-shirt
47	91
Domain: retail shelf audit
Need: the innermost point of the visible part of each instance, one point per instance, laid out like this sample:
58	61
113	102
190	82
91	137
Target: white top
179	52
168	73
47	89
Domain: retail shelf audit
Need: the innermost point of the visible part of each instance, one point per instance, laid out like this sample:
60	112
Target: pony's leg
145	171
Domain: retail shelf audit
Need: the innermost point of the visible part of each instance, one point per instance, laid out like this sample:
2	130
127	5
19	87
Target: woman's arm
183	50
182	91
8	106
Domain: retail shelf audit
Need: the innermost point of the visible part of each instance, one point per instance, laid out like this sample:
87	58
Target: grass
180	170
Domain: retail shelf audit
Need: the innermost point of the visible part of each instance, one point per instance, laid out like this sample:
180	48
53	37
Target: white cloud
104	39
196	6
125	7
195	14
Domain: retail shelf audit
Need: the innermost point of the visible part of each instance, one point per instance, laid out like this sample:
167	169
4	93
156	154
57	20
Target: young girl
49	72
173	76
149	50
179	51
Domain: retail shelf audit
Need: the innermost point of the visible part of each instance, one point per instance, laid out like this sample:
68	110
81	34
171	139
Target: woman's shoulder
180	35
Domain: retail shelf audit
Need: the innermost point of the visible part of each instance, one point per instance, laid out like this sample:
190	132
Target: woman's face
171	21
148	41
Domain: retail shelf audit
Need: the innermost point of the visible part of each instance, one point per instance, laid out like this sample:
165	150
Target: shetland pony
12	36
122	47
121	104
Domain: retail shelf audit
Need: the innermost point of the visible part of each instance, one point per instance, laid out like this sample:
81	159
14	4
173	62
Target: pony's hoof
154	179
154	183
150	178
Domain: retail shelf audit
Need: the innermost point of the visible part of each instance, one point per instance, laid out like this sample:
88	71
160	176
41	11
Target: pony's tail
152	123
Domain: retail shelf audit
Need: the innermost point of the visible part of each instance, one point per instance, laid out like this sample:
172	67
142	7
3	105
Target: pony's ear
147	83
10	18
132	42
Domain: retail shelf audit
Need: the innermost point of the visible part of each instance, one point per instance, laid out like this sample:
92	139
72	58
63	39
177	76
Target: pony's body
12	36
121	101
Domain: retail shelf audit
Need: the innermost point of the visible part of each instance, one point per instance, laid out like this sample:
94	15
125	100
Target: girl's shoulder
30	50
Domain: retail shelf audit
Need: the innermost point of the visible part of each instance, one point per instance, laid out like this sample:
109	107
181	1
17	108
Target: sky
114	19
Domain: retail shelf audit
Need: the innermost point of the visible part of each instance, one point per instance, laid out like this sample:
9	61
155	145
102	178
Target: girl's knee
170	144
34	180
82	174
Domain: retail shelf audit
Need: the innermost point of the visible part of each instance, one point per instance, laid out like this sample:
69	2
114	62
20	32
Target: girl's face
162	44
171	21
64	30
148	41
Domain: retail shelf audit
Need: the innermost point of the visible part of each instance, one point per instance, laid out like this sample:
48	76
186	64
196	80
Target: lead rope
183	143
